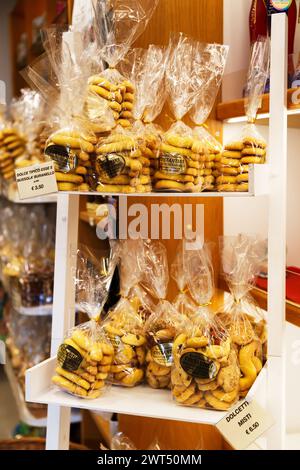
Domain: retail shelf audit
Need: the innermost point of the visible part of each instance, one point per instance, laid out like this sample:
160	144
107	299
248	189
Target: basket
32	443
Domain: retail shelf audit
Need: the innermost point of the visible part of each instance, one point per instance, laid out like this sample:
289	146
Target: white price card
36	180
2	352
244	424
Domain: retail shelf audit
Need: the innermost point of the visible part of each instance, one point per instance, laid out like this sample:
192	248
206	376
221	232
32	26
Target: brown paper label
199	366
64	158
110	165
162	354
172	163
69	358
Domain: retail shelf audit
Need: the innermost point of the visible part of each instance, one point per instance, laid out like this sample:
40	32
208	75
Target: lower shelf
138	401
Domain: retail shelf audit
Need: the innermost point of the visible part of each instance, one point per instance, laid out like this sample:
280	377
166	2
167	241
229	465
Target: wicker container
31	443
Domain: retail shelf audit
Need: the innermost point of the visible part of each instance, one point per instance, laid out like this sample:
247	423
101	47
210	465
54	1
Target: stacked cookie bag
116	27
250	148
164	321
85	357
71	144
146	69
205	372
119	163
28	112
241	259
212	61
179	157
124	324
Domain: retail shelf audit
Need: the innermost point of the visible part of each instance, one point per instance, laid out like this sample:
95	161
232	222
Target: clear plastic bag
28	114
183	303
71	145
241	259
119	163
179	159
124	323
232	170
85	357
212	64
146	70
164	322
117	25
205	372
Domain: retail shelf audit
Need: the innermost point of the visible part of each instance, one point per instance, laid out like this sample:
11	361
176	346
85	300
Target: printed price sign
244	424
36	180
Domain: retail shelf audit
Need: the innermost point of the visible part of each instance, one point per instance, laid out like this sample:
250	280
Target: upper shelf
234	111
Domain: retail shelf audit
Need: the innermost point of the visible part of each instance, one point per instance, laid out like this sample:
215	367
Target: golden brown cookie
235	146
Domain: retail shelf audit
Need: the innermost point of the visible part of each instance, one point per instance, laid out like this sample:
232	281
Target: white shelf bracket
277	230
58	421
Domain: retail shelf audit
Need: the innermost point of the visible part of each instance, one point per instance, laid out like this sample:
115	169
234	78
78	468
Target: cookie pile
205	373
129	346
232	167
249	338
179	164
71	152
159	354
253	152
84	363
12	146
120	97
122	165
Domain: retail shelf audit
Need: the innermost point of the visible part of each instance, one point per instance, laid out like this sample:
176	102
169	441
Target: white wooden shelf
40	311
258	185
139	401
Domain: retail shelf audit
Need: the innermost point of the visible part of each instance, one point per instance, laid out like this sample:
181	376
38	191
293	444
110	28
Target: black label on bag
199	366
172	163
69	358
64	158
110	165
162	354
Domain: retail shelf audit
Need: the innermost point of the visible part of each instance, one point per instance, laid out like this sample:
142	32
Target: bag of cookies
241	258
120	162
212	64
179	157
124	326
28	112
71	145
146	70
164	321
183	302
117	25
232	170
205	373
85	357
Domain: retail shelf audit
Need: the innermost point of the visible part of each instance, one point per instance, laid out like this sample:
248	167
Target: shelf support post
277	230
58	420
